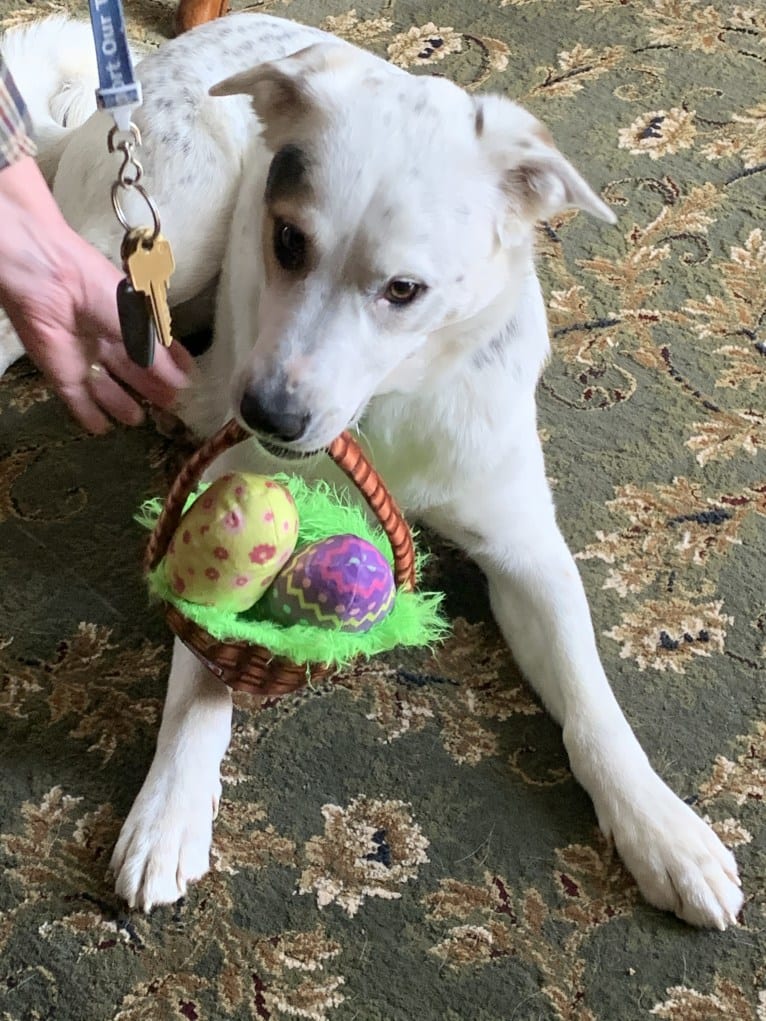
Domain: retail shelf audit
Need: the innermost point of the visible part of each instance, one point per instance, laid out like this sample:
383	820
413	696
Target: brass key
149	263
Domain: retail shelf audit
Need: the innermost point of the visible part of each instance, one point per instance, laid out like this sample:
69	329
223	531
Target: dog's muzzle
271	418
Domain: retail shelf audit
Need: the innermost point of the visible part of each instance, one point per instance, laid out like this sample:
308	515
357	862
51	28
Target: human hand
60	295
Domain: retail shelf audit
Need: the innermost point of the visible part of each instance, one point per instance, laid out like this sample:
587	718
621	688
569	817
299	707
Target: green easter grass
415	619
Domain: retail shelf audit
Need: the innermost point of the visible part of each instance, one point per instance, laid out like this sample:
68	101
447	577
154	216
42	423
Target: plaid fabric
15	125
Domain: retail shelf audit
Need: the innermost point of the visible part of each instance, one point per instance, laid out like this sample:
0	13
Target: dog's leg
165	841
540	605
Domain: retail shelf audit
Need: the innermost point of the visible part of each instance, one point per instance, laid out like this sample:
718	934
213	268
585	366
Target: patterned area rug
410	844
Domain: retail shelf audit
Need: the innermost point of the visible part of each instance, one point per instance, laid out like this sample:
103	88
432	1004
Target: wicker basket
241	665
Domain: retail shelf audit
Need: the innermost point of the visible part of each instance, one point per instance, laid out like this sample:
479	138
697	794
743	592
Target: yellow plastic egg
232	542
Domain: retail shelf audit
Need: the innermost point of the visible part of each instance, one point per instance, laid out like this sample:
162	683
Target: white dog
373	234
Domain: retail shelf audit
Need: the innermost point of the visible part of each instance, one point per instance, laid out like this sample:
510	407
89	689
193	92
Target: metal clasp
129	177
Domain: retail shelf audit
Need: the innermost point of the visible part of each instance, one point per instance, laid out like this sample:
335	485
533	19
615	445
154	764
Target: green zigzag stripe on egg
415	619
309	606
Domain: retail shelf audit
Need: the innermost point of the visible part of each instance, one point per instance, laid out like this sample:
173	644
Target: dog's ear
534	175
282	91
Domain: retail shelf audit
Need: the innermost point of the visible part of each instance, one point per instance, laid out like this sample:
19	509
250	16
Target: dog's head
397	223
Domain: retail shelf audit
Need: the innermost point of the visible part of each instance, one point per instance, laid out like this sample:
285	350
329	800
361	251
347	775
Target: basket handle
344	451
350	458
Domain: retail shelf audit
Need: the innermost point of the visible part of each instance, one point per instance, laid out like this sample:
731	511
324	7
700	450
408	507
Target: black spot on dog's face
479	120
288	174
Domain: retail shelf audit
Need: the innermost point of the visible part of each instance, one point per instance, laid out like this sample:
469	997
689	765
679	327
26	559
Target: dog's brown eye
289	246
402	292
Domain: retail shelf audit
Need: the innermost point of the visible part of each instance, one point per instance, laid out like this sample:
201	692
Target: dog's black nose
271	418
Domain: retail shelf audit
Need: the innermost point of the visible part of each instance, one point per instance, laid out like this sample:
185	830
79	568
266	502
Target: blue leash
147	258
119	93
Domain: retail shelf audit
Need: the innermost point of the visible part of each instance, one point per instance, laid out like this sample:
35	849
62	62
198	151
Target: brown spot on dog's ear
535	176
274	93
543	183
479	120
282	90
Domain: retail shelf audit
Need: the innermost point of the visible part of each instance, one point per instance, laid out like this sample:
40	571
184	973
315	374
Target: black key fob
138	333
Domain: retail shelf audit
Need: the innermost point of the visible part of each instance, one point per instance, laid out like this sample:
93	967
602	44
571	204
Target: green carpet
410	845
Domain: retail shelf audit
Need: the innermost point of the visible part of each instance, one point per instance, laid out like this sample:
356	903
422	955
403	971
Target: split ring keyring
120	214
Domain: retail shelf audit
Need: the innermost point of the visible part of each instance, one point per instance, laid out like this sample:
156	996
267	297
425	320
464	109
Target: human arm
60	293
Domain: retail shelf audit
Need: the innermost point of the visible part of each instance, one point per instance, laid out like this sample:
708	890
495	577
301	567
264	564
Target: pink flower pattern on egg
262	554
237	534
233	521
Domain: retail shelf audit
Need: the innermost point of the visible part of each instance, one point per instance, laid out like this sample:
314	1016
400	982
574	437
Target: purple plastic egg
343	583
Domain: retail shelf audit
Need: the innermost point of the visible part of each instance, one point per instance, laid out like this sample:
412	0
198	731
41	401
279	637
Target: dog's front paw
677	860
165	842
